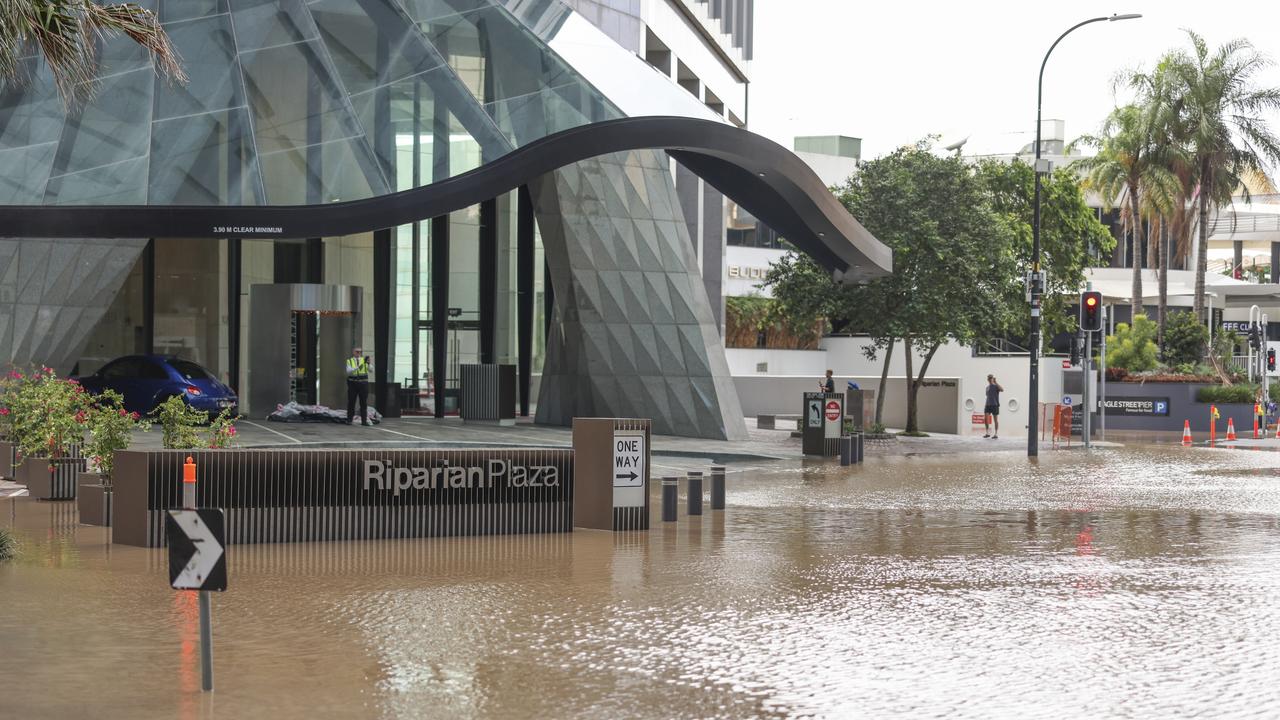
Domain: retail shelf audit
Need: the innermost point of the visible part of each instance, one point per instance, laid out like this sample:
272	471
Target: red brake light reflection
193	390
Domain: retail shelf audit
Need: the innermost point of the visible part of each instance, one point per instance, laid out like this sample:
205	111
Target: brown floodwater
1133	582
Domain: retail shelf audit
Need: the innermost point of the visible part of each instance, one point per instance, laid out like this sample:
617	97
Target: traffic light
1255	337
1075	350
1091	311
1271	360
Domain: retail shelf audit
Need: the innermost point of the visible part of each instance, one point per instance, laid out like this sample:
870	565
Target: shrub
8	545
110	429
11	384
181	426
1185	339
1227	394
50	415
1133	347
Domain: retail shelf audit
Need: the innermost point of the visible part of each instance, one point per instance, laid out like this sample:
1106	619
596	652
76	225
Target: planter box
6	460
93	500
43	484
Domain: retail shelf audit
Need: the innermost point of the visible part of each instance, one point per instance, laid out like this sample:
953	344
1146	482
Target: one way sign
197	557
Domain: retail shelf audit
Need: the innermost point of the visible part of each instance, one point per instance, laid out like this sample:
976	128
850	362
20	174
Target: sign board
833	410
1066	400
978	419
813	418
1137	406
1066	364
834	416
197	554
630	469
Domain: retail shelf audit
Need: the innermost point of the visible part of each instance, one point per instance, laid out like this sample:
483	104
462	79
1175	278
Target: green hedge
1227	394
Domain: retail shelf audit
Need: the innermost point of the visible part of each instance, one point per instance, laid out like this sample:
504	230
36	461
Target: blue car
146	381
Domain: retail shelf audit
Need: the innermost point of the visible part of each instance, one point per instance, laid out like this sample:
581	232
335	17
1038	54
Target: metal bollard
695	492
670	489
859	447
717	487
847	450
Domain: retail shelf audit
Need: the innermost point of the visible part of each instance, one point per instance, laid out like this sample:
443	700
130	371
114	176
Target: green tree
1185	339
1133	347
1220	114
951	254
1127	169
1070	235
66	34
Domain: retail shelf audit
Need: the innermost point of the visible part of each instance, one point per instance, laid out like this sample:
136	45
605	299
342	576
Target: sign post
197	560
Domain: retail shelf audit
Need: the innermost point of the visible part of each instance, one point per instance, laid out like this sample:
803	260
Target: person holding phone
991	413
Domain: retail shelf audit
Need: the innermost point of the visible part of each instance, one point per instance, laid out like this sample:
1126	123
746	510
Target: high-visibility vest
357	368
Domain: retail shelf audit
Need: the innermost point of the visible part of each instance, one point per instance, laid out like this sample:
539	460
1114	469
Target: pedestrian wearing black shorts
991	413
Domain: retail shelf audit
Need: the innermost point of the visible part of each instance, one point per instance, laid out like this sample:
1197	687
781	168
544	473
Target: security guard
358	368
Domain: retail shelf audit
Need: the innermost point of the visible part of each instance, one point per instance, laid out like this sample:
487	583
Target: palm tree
1221	121
67	33
1124	169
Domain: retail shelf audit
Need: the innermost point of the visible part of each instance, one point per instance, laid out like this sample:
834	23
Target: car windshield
189	370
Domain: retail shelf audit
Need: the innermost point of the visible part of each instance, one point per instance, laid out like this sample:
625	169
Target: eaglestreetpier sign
493	473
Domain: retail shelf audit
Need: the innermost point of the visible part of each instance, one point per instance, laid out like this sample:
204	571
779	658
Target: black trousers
358	389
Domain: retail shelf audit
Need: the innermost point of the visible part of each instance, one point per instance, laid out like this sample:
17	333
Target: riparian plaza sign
384	475
285	495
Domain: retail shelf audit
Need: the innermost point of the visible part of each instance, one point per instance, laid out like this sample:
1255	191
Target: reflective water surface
1136	582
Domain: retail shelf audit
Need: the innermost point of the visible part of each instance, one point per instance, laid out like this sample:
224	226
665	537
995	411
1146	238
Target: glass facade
307	102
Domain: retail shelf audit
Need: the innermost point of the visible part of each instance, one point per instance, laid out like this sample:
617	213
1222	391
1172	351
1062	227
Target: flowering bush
110	427
222	430
11	384
50	415
181	426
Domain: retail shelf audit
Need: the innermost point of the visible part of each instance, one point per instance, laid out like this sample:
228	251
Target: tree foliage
1133	347
1185	339
67	34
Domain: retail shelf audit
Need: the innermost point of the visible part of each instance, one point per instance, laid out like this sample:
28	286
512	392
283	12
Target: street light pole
1033	405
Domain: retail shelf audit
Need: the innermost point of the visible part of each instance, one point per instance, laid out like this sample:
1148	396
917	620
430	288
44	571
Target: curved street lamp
1037	286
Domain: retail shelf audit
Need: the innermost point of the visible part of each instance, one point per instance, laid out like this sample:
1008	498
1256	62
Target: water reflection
1128	582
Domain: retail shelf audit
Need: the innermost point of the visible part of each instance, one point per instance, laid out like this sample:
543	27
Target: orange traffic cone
1231	429
1278	430
1186	432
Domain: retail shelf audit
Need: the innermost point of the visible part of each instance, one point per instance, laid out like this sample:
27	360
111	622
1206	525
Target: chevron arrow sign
197	554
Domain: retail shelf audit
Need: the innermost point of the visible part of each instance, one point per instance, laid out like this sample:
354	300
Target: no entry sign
833	410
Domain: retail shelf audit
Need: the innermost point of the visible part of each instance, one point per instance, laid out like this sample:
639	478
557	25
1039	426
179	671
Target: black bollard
670	488
695	492
847	450
860	447
717	487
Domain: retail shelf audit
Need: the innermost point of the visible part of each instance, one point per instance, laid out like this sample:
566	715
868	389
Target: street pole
1102	394
1086	426
1033	447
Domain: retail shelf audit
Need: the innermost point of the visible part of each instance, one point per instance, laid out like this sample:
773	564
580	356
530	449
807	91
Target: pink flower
123	412
231	431
135	416
48	369
4	411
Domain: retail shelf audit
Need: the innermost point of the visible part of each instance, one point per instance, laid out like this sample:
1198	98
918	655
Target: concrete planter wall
93	500
58	483
1182	406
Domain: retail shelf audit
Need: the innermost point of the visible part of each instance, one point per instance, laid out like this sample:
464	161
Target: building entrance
300	336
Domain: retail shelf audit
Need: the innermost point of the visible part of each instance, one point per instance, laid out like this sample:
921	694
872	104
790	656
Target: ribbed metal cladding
273	496
488	392
636	518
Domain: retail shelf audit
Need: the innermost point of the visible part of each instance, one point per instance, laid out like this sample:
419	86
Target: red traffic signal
1091	311
1271	360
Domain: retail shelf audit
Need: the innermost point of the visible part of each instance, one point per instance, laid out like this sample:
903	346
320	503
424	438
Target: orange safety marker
189	483
1186	432
1231	429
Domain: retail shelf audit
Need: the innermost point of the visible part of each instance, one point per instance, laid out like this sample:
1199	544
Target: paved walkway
452	432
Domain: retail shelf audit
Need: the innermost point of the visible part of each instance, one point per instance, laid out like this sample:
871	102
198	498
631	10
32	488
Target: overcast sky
891	72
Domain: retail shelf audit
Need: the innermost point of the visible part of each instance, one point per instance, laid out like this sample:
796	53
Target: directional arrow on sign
197	558
625	476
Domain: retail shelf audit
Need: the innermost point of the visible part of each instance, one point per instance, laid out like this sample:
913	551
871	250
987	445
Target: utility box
822	423
860	406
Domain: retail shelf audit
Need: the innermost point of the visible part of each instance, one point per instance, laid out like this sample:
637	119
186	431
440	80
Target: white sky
892	72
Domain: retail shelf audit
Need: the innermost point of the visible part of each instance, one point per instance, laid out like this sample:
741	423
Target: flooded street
1135	582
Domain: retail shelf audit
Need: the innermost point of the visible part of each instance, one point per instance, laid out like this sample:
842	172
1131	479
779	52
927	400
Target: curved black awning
768	180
